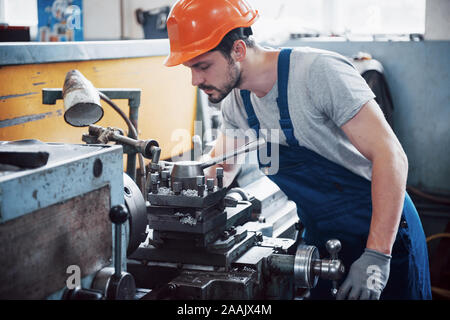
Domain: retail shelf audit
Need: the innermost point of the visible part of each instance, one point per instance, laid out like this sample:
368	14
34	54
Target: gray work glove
367	277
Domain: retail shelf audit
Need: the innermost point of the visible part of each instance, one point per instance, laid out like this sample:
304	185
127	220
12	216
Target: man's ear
239	50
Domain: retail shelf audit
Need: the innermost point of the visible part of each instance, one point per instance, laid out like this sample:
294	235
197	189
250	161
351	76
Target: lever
118	215
331	269
250	146
113	283
336	267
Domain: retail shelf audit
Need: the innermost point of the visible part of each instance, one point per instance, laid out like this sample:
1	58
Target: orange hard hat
197	26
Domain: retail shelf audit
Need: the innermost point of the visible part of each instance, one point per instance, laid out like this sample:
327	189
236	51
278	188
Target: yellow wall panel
167	100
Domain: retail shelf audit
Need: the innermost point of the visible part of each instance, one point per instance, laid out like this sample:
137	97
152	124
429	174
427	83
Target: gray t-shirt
324	92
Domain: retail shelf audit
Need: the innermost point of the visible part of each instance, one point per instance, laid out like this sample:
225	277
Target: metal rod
253	145
118	250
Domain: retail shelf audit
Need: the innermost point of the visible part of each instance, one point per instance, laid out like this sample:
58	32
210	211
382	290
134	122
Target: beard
233	81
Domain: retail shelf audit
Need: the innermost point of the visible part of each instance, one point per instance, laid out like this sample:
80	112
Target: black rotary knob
118	214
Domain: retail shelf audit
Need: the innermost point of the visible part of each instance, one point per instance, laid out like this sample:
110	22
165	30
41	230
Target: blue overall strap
252	120
282	100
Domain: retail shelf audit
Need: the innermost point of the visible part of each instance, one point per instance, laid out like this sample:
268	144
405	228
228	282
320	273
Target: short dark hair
228	40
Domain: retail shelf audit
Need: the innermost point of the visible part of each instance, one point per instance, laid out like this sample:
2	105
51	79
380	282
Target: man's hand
367	277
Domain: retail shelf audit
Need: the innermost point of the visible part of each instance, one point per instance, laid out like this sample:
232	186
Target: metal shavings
188	220
165	191
190	193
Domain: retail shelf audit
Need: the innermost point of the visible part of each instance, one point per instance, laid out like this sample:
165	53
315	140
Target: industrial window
339	19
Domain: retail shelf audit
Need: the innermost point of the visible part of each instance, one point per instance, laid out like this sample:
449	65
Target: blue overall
334	202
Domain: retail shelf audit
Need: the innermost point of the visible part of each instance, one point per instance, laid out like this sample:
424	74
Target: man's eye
204	67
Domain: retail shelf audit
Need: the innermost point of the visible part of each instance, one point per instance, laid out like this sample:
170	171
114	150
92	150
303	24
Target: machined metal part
304	275
281	263
178	200
177	221
269	203
138	214
333	269
187	171
200	185
206	219
213	285
154	180
148	148
79	293
306	265
228	240
165	177
219	176
210	184
329	269
177	186
114	287
195	256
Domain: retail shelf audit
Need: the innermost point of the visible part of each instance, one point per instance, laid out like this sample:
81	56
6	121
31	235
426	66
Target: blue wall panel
418	77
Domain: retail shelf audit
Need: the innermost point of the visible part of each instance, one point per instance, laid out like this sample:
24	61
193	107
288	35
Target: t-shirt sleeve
337	89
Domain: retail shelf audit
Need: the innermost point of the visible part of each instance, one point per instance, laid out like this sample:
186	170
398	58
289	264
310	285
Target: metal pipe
131	158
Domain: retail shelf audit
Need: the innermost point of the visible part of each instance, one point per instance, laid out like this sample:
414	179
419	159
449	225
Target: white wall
2	11
437	20
101	20
20	13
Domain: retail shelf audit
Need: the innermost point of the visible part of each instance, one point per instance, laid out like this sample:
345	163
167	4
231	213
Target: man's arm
373	137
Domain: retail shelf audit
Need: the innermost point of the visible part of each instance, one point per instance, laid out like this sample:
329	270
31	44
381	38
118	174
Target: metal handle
118	215
250	146
335	267
308	267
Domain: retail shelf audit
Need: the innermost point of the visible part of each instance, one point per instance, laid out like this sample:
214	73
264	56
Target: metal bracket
50	95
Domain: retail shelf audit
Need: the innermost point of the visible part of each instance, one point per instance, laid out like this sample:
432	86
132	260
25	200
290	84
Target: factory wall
116	19
437	24
168	101
102	20
418	77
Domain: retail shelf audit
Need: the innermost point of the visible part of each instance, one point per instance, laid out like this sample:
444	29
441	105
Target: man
338	158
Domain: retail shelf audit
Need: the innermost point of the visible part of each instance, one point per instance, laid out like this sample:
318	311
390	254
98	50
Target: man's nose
196	78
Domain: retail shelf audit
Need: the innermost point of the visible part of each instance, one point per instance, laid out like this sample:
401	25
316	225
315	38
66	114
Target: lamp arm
134	133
